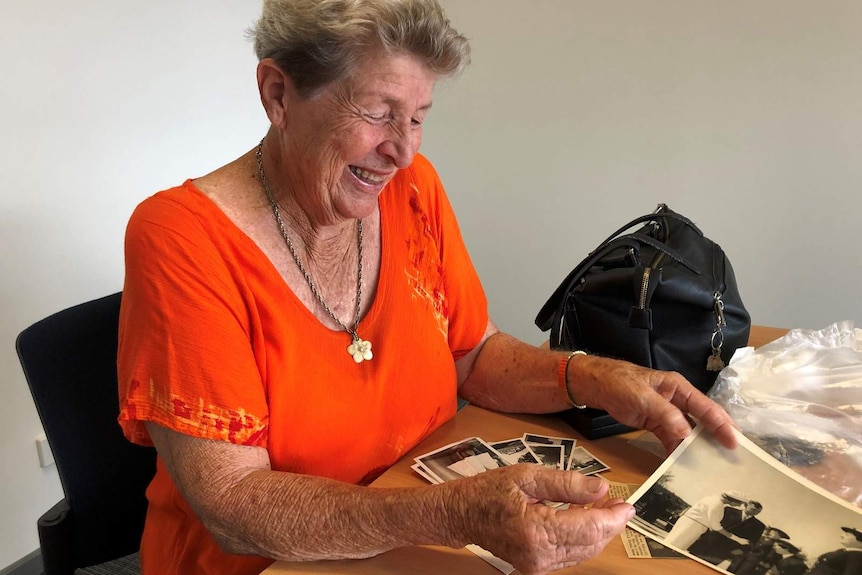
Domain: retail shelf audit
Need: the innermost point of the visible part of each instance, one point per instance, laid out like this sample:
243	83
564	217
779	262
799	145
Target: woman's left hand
649	399
506	374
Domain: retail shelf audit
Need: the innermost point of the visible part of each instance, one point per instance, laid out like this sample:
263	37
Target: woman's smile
367	177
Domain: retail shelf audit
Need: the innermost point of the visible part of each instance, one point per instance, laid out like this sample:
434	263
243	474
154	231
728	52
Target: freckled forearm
512	376
252	510
298	518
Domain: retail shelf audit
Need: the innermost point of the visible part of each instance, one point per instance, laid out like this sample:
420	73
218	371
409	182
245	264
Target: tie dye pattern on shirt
425	270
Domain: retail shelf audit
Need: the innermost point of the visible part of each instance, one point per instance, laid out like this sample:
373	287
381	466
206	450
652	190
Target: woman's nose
401	146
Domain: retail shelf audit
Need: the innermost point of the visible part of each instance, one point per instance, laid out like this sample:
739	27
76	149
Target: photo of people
742	512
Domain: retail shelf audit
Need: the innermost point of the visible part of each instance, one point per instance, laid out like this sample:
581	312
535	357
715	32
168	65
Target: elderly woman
297	320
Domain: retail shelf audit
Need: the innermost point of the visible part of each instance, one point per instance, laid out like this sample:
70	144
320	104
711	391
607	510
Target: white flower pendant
360	350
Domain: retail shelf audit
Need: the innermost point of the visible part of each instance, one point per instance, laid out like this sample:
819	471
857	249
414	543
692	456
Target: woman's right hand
502	511
250	509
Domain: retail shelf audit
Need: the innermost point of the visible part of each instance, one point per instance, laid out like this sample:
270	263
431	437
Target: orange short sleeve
186	360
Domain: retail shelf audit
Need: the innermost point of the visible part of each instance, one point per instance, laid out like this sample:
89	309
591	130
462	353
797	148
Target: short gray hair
317	42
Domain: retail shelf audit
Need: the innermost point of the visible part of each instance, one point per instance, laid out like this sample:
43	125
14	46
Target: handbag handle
663	247
549	316
653	217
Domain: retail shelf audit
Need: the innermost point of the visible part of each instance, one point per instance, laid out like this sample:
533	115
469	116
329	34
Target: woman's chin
361	200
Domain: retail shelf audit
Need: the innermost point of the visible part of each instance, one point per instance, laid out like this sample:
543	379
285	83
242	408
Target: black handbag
664	296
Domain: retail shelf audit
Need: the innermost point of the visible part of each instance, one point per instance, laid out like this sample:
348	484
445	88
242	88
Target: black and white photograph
550	455
424	473
743	512
585	462
515	451
568	444
461	459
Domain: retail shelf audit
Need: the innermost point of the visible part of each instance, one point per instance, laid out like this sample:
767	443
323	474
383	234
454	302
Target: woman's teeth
366	176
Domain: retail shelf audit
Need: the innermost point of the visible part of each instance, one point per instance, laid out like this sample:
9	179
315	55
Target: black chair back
70	363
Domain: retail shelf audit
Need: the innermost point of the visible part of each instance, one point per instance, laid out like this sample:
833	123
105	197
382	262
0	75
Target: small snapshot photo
424	473
515	451
741	511
461	459
567	443
552	456
585	462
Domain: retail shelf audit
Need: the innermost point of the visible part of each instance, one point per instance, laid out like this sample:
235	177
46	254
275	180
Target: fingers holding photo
536	538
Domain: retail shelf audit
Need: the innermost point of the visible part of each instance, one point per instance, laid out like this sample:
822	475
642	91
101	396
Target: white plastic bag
800	398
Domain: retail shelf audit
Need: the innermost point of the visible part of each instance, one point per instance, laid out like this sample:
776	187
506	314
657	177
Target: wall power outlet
46	458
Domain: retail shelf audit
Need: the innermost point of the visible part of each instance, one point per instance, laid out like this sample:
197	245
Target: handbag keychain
714	362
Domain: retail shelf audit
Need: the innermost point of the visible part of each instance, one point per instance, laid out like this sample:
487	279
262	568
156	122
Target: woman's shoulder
422	166
183	200
182	209
419	183
182	215
420	174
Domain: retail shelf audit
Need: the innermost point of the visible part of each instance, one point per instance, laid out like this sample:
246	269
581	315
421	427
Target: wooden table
628	464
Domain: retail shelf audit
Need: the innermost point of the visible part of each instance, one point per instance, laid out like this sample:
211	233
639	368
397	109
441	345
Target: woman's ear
276	90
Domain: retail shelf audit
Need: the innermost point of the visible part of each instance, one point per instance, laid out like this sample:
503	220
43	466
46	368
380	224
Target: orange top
214	344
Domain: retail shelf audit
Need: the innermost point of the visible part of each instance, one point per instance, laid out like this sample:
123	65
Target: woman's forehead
394	79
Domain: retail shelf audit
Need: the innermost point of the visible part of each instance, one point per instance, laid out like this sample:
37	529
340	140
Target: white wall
101	104
575	116
578	115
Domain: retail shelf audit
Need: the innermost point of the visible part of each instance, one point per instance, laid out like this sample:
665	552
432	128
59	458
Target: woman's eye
377	118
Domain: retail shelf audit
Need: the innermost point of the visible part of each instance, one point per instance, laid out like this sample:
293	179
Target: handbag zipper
644	288
640	316
642	299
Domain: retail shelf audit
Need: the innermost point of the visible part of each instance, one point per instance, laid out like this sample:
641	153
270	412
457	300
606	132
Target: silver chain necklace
359	349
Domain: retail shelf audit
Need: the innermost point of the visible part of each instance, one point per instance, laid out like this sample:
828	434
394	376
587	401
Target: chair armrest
55	540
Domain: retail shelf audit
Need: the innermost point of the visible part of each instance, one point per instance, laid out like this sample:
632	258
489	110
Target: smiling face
342	146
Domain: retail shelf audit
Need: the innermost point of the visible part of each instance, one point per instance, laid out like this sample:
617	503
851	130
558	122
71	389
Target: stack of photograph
474	455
